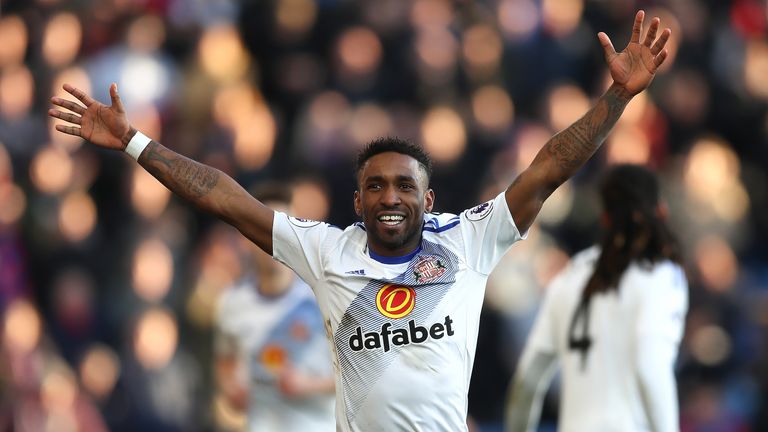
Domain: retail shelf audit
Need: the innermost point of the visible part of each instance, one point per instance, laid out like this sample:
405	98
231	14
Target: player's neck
394	256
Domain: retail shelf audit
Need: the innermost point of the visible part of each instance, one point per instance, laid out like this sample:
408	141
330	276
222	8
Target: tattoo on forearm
574	145
184	176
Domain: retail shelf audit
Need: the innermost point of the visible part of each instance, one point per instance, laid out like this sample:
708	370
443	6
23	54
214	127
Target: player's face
392	198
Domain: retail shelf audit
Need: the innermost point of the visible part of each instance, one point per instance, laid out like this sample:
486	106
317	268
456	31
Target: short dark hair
272	191
397	145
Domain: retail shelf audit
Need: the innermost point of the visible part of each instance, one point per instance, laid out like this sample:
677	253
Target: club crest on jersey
428	268
395	301
480	211
302	223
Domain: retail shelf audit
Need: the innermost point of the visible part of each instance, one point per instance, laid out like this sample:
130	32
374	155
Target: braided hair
635	232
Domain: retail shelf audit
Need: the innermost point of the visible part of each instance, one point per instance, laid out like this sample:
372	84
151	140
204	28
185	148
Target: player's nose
390	197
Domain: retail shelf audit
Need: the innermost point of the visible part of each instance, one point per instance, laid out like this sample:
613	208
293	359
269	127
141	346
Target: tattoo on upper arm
574	145
186	176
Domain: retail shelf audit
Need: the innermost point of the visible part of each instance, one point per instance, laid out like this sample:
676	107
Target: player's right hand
105	126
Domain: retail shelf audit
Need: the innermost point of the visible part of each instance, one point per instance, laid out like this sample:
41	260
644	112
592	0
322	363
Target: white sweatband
137	144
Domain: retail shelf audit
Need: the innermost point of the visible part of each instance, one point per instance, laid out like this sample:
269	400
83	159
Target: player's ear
429	200
358	204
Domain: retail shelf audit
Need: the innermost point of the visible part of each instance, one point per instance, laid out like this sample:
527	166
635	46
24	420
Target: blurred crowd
108	283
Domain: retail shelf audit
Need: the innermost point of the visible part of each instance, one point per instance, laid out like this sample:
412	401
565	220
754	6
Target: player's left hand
633	68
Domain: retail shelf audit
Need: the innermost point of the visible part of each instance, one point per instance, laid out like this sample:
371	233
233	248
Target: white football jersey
618	374
270	333
403	330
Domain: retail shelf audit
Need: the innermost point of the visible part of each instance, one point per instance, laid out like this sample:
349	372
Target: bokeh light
329	111
62	38
367	122
492	108
222	54
518	18
756	68
13	202
17	89
51	170
99	371
566	104
437	55
148	196
712	177
243	110
295	17
152	270
431	14
13	33
481	49
59	389
155	339
359	50
628	144
716	263
443	134
77	216
146	34
22	327
710	345
561	17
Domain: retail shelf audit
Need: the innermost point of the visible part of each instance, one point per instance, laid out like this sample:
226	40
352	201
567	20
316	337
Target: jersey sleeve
660	325
301	244
488	231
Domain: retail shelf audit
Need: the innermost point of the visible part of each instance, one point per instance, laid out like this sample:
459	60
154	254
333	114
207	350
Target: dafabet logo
395	301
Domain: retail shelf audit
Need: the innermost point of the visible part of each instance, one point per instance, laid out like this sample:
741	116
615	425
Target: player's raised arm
632	71
207	188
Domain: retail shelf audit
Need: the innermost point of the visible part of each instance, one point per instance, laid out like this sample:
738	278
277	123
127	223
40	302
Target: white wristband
137	144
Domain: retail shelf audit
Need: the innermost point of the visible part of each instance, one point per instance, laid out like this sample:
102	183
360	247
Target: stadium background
108	283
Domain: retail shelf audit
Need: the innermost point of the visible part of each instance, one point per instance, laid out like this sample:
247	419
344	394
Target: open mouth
391	220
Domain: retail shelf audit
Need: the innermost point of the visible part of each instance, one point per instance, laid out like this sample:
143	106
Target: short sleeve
488	231
300	244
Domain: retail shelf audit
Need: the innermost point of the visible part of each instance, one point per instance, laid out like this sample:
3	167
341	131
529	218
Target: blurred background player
613	320
272	360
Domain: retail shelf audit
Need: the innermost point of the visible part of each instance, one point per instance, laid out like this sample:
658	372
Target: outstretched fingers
659	59
80	95
651	35
661	42
116	102
68	117
608	49
64	103
69	130
637	28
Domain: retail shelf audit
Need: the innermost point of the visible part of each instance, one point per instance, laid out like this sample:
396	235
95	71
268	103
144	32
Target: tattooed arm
632	71
205	187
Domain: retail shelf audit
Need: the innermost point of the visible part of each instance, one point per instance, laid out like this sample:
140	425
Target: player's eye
407	186
374	187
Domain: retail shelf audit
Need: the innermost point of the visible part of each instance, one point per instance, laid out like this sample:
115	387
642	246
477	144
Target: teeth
391	219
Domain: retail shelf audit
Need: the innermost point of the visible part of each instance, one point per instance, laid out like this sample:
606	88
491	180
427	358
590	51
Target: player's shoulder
440	222
664	275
